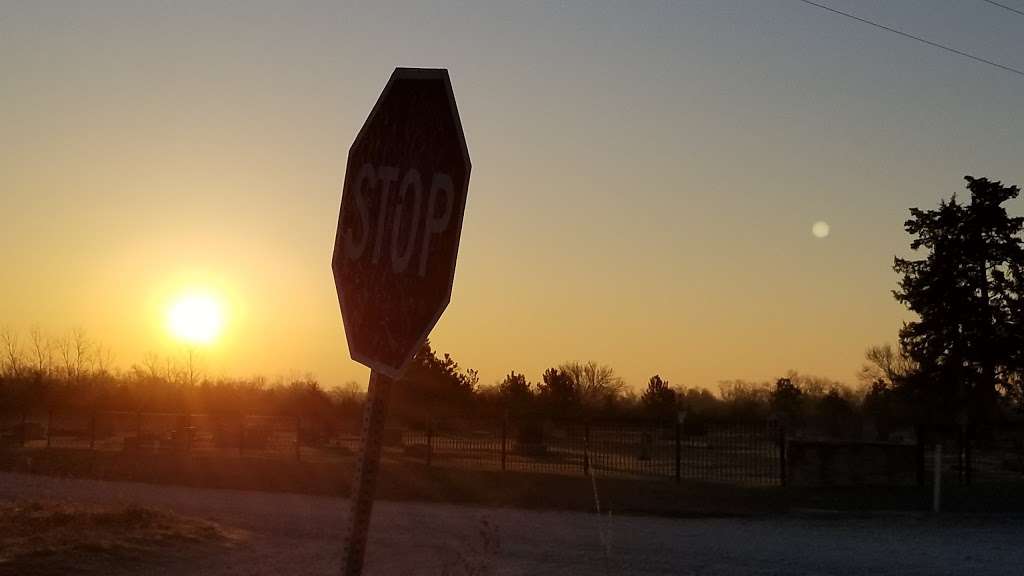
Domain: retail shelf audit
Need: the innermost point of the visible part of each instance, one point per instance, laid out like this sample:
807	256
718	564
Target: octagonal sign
401	217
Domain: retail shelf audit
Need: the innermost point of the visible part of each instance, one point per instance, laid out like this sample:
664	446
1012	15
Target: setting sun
195	319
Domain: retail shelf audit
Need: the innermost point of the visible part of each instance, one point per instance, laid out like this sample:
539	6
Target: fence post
679	451
961	458
138	427
241	434
430	441
586	449
92	432
968	456
920	455
782	454
24	427
504	437
188	431
49	426
298	438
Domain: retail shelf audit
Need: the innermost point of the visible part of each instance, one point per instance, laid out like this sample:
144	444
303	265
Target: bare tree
11	353
42	352
81	349
887	364
818	387
151	362
103	358
67	358
172	372
350	391
596	383
738	391
192	371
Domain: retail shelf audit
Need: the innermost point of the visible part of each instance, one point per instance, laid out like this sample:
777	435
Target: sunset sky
645	180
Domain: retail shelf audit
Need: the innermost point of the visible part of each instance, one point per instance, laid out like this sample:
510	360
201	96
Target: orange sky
643	190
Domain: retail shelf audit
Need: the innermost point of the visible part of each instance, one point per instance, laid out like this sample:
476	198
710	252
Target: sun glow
195	319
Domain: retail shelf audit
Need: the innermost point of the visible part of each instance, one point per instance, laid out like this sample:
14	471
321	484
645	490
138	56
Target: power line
918	38
1005	7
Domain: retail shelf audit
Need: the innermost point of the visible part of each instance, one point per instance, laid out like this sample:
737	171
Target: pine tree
966	293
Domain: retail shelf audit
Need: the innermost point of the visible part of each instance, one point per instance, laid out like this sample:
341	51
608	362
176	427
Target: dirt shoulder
303	534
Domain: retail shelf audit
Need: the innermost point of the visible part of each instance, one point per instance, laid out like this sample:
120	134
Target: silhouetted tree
12	359
701	407
967	293
515	392
835	415
817	387
744	401
881	407
886	363
887	378
659	399
433	387
558	393
597	385
787	401
42	353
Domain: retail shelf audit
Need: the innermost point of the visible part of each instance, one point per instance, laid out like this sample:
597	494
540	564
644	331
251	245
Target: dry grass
59	538
474	557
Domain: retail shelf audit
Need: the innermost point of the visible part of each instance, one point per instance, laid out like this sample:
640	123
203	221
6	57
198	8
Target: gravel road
301	534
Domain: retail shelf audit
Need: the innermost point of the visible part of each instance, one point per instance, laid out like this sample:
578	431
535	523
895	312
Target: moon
820	229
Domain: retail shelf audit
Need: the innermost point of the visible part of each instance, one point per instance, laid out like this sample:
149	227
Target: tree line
958	365
73	373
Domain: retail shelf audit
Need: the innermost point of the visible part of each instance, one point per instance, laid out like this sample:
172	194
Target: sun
195	319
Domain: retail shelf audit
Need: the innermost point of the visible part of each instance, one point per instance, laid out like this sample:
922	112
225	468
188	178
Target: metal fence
994	456
735	454
738	454
154	432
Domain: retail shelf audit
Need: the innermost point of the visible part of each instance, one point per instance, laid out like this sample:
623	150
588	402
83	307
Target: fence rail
995	457
735	454
738	454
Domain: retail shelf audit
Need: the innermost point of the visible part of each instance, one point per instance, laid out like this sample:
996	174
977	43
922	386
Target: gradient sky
645	174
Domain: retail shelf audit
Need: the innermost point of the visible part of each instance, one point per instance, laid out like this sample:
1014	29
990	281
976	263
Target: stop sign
401	217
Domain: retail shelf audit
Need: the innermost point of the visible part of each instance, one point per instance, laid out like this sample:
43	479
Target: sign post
365	479
394	257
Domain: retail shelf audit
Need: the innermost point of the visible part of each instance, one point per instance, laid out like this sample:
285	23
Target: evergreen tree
559	393
966	292
515	393
433	386
659	399
787	401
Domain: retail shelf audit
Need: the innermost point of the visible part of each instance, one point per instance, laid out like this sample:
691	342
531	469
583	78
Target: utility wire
1005	7
918	38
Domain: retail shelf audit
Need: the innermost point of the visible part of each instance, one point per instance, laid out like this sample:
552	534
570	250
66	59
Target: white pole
937	480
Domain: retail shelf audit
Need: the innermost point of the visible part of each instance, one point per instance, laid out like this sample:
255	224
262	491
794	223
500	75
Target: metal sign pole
365	481
417	221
